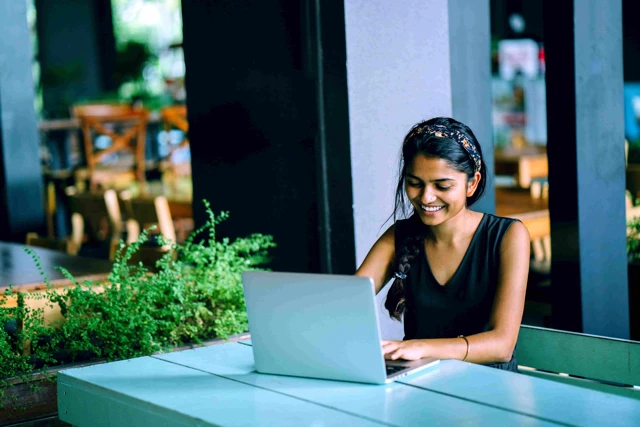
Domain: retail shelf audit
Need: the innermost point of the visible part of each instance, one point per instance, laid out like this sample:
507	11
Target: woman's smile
431	210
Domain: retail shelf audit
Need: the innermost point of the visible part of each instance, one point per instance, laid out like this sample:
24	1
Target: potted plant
193	295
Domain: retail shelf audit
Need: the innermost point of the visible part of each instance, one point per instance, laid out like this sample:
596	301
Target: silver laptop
319	326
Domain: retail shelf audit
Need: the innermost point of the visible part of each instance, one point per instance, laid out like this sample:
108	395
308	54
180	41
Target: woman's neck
455	229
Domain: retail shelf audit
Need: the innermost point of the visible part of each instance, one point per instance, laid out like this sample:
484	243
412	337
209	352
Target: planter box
23	403
51	314
35	397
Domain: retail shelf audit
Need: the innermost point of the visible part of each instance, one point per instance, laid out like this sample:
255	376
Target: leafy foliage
130	61
195	294
633	239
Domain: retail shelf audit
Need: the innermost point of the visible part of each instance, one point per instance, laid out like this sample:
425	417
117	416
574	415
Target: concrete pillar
21	187
405	63
585	122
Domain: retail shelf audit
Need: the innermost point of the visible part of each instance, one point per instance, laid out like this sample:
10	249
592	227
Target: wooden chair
173	171
62	245
50	209
96	217
126	127
142	213
149	211
600	363
175	116
539	189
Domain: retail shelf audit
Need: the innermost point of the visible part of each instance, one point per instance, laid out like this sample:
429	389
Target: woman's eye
414	184
441	188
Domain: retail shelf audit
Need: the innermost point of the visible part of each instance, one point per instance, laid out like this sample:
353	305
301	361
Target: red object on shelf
541	60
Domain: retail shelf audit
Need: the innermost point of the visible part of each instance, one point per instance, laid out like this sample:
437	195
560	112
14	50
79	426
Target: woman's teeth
431	208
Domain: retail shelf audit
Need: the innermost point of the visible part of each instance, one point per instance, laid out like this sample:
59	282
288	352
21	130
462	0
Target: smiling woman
459	275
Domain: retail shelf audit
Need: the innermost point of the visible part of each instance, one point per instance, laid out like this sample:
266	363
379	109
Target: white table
218	385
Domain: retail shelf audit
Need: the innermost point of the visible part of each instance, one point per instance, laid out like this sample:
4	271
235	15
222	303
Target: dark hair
446	145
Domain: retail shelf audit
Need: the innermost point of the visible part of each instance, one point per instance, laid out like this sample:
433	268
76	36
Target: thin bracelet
467	341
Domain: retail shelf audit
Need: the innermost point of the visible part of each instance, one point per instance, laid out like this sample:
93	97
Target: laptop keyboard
391	369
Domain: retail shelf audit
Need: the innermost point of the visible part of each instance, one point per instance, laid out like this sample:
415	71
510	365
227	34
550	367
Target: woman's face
436	190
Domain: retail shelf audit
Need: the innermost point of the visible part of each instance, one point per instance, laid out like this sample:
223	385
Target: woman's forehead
432	167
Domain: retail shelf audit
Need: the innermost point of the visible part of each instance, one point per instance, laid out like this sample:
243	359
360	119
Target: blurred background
294	113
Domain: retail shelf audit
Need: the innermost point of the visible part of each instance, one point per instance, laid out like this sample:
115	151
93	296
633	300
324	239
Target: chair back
174	170
175	116
95	216
124	125
150	211
142	213
600	361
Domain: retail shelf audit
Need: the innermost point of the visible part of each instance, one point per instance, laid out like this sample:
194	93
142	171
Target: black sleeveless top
463	306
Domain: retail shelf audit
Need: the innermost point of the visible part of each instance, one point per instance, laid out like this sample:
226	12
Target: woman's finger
396	354
388	350
389	345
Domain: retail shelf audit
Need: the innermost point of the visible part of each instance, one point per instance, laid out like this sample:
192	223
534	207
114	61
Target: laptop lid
314	325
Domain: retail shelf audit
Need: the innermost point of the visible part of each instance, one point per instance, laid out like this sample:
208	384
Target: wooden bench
599	363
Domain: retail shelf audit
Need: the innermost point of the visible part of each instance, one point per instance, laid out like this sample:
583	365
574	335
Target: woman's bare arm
379	261
508	306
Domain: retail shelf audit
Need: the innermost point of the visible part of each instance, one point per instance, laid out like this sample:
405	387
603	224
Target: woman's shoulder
492	221
496	228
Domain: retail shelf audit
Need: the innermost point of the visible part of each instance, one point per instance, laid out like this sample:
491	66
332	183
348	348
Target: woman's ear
472	184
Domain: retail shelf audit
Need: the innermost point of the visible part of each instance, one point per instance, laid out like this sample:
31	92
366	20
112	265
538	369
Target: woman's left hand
407	350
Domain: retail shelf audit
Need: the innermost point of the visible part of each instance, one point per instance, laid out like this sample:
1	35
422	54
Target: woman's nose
428	197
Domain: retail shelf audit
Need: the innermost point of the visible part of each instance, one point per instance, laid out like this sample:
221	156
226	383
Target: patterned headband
442	132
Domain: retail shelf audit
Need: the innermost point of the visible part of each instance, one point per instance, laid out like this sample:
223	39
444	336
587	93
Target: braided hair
457	145
396	301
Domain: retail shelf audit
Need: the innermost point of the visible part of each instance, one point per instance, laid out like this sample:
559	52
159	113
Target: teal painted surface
396	404
528	395
174	395
79	406
218	386
633	393
588	356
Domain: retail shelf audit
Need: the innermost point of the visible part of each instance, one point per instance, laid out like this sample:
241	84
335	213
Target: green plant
195	294
131	59
633	239
19	326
